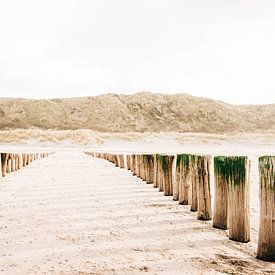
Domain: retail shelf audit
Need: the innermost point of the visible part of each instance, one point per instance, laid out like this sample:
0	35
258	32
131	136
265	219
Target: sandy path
72	214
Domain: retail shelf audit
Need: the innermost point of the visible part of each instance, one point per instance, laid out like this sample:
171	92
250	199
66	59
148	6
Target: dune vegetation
141	112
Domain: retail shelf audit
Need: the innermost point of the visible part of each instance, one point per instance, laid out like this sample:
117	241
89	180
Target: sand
73	214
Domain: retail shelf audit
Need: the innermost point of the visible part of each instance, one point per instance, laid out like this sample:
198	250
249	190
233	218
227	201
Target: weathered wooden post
121	161
4	163
27	159
204	197
155	180
128	162
8	163
194	183
237	172
166	163
146	161
160	173
147	168
177	178
266	242
134	164
138	165
24	160
220	216
142	167
16	161
19	161
185	178
116	160
12	162
150	170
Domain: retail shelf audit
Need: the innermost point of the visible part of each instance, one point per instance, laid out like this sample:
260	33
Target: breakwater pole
11	162
232	181
187	178
266	241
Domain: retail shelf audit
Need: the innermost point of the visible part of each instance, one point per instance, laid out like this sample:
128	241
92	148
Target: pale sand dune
72	214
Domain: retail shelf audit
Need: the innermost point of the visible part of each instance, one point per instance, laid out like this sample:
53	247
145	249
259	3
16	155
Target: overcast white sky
223	49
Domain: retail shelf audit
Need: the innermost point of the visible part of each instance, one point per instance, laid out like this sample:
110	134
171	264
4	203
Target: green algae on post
220	216
232	168
236	171
166	175
267	170
266	241
181	184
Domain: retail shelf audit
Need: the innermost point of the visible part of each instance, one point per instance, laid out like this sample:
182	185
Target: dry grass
88	137
77	137
142	112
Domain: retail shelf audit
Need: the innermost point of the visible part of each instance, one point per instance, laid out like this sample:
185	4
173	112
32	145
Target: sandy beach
86	85
73	214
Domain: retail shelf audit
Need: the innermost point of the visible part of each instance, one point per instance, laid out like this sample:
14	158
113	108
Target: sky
221	49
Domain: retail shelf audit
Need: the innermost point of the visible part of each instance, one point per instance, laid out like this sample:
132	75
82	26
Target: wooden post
24	159
116	159
184	182
155	177
220	216
194	183
128	162
150	170
143	159
121	161
160	173
237	173
166	163
8	163
138	165
12	162
266	242
16	161
204	198
142	167
27	159
134	164
146	166
4	163
19	161
177	178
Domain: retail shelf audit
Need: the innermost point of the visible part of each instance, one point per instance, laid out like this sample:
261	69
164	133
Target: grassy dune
142	112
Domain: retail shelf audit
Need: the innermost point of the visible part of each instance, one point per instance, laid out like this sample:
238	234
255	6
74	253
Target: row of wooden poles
187	178
11	162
